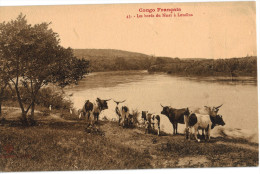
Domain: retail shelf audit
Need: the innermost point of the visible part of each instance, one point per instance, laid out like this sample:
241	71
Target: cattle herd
205	118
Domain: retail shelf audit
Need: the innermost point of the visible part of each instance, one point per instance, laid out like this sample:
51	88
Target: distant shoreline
117	60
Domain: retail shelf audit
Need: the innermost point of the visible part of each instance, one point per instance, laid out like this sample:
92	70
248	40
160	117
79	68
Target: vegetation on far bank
234	67
115	60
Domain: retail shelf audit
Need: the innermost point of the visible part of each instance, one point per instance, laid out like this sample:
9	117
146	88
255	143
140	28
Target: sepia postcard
128	86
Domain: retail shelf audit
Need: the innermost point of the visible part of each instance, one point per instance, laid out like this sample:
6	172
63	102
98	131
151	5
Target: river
144	91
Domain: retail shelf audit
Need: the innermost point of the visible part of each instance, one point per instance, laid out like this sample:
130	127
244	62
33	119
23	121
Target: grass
58	145
64	147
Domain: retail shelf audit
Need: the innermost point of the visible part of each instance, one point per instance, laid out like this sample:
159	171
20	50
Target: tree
4	78
35	58
232	66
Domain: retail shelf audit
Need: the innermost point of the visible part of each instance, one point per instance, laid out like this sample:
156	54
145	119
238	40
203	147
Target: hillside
113	60
57	144
107	54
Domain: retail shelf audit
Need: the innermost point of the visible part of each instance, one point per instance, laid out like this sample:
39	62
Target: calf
176	116
151	121
125	116
156	120
207	122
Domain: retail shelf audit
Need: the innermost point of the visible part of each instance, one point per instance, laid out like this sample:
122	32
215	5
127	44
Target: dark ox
92	110
176	116
207	122
151	121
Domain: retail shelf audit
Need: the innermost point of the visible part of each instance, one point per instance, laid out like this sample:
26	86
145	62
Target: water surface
144	91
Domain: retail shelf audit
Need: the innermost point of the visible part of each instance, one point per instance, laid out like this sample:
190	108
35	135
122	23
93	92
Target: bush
57	99
46	96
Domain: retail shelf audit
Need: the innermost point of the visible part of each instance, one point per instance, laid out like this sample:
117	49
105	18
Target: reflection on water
144	91
226	80
109	79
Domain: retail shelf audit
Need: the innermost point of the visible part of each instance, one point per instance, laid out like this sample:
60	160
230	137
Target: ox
124	116
207	122
213	111
176	116
122	113
206	110
151	121
92	110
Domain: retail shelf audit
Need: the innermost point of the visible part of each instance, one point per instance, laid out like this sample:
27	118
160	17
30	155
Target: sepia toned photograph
128	86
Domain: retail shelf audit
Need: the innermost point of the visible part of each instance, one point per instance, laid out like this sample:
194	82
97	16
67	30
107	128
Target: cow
151	121
120	111
206	110
176	116
207	122
91	110
124	116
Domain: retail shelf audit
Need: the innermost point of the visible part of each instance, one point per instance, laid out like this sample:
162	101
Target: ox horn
218	106
108	99
119	101
161	105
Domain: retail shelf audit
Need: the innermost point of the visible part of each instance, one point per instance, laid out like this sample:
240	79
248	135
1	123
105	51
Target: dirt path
13	113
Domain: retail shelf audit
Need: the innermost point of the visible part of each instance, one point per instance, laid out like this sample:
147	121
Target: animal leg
208	133
195	134
119	120
187	133
97	117
203	134
190	132
176	126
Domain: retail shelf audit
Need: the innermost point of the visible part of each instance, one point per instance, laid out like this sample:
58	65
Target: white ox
206	110
206	122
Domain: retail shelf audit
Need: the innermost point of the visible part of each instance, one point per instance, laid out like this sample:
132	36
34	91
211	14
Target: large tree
34	57
4	79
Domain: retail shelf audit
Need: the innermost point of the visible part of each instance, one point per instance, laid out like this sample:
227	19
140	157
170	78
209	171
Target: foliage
135	116
46	96
34	57
114	60
208	67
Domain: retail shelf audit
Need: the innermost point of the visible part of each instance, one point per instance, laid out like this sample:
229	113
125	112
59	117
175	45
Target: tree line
233	67
31	57
116	60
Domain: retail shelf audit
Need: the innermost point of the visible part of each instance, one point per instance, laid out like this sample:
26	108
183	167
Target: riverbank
60	144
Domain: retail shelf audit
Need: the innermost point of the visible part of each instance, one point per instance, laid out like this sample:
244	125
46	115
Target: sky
215	29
